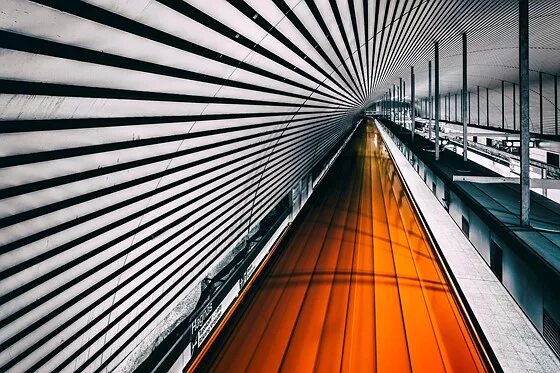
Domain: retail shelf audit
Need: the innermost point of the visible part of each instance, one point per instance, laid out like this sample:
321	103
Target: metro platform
498	202
355	286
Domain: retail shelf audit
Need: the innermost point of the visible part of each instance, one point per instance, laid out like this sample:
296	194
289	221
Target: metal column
403	98
541	119
524	108
436	97
400	99
469	106
455	108
412	108
430	100
487	107
503	107
514	116
386	105
393	116
389	104
449	106
478	104
555	104
464	101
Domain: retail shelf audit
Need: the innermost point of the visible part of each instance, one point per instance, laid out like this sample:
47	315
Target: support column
514	116
400	99
503	107
455	108
487	107
436	97
469	106
387	98
555	104
449	106
393	116
412	108
541	119
524	109
464	101
445	108
403	98
430	100
478	105
389	104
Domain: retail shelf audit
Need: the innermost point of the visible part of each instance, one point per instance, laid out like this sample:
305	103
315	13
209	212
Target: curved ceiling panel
141	140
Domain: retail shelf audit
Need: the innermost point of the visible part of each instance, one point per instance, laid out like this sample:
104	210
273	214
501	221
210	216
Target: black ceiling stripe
249	12
116	21
196	15
307	35
342	31
319	19
29	44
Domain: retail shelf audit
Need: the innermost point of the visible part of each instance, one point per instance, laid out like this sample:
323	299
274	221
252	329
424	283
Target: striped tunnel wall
141	141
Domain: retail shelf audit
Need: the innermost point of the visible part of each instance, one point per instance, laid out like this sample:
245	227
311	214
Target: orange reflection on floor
355	288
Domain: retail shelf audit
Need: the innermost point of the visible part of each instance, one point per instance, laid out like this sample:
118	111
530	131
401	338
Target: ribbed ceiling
287	55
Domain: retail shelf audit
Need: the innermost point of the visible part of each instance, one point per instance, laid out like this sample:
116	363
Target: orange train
356	287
